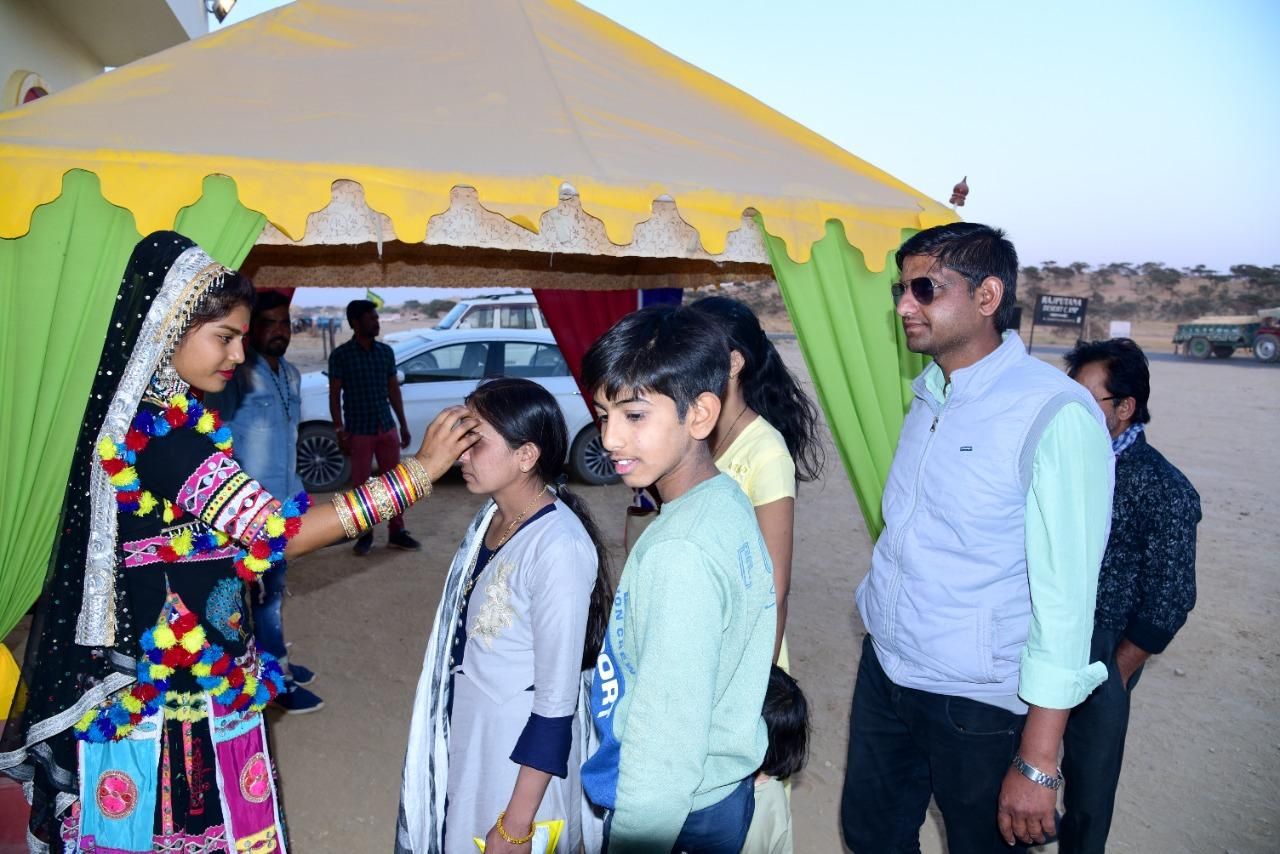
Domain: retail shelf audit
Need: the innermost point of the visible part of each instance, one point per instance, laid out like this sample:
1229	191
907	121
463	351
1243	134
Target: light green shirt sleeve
1068	520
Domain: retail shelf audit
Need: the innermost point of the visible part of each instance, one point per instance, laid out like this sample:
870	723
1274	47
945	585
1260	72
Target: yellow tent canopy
402	102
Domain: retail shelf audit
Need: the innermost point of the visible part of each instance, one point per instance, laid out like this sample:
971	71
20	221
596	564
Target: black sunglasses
923	289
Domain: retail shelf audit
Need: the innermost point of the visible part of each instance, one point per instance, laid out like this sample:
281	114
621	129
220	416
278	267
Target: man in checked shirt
363	392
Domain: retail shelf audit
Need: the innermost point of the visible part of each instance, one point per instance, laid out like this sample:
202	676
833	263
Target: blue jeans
906	746
268	624
718	829
1092	753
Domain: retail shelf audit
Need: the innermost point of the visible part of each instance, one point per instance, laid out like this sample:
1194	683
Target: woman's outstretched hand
446	440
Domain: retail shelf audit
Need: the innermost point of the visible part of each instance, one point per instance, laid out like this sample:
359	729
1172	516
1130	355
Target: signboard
1121	329
1060	311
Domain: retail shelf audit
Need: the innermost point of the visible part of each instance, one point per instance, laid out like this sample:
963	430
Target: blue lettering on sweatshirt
600	772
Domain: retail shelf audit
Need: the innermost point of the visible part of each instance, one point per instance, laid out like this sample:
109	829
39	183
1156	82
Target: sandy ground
1203	762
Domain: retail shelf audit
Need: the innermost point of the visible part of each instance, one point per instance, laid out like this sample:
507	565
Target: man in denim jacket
261	404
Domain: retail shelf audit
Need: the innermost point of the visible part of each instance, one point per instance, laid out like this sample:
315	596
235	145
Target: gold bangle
502	831
380	494
418	474
346	517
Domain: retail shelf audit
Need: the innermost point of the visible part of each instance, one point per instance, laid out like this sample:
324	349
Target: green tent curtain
856	353
57	286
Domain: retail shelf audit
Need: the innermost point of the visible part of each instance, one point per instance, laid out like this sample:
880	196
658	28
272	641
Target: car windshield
452	317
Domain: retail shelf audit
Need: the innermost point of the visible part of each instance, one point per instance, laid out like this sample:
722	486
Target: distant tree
1156	273
1032	274
1079	267
1264	277
412	305
1200	271
1119	268
437	307
1058	274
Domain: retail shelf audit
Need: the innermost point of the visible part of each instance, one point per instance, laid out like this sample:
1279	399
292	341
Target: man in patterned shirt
363	391
1145	589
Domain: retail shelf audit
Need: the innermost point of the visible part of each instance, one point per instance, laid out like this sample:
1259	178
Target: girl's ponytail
602	593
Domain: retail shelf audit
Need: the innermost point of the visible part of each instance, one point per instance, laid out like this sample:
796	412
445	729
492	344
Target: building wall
69	41
192	16
31	40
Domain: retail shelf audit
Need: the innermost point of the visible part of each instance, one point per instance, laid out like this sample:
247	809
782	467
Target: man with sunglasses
979	603
1145	590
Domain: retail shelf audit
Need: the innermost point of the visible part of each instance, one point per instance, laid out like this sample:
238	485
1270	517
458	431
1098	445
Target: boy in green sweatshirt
680	680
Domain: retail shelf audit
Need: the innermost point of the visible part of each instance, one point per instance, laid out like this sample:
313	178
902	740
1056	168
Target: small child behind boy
681	678
786	716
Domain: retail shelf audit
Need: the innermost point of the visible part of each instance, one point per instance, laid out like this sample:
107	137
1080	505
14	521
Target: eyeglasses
923	290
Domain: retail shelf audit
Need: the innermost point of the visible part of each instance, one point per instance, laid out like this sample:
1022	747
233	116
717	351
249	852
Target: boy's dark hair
268	300
676	352
357	309
786	717
1127	371
975	251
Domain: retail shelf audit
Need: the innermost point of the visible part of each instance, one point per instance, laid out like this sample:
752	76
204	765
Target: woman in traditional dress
496	740
766	439
139	721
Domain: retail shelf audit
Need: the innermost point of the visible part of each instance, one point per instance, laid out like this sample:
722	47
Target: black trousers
1093	751
906	746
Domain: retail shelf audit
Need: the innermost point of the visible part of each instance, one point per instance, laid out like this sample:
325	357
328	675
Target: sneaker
401	540
298	701
363	546
301	675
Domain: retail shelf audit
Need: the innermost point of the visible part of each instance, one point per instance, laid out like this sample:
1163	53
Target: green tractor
1220	337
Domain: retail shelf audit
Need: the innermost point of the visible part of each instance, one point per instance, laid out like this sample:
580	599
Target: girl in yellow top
766	438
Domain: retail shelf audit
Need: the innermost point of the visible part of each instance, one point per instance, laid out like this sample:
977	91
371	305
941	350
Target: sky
1145	130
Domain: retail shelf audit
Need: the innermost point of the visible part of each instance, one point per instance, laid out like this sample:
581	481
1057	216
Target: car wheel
321	464
589	461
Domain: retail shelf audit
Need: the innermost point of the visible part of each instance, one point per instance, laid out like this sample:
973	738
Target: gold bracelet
418	474
380	495
346	517
502	831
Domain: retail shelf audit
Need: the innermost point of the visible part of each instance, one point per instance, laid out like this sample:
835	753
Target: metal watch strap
1037	776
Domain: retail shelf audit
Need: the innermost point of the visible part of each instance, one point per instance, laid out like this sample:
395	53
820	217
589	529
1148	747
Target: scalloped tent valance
410	101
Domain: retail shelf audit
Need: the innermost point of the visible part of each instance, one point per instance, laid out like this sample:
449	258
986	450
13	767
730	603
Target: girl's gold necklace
506	535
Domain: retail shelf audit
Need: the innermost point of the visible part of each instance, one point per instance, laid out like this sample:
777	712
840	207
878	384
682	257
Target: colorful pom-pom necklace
179	641
119	456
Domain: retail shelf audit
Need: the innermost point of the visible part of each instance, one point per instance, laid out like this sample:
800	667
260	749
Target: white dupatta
420	826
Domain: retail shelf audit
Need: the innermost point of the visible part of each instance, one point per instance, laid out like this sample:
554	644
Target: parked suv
495	311
438	369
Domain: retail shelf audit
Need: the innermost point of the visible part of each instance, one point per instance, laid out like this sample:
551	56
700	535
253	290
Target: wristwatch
1037	776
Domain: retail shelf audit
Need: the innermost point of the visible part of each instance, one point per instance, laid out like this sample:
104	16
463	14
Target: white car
438	369
517	310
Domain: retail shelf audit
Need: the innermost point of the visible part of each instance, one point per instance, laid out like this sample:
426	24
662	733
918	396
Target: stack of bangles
382	498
